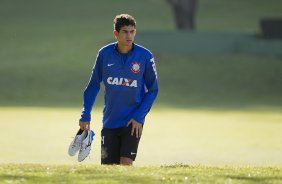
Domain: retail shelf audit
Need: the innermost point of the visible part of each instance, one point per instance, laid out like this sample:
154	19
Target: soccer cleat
86	146
76	143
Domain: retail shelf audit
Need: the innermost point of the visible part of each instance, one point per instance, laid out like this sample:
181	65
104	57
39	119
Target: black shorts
116	143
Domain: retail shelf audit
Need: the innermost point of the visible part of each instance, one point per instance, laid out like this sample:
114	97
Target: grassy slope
48	50
229	15
196	81
220	81
78	174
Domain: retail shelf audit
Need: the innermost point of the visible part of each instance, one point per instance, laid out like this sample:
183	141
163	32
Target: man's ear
115	33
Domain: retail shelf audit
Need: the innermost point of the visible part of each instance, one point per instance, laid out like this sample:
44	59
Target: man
129	74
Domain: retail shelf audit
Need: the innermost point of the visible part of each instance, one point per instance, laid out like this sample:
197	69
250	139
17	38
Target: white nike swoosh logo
133	153
110	64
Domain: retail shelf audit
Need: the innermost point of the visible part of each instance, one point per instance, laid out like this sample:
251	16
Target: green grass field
217	118
78	174
42	135
191	146
178	146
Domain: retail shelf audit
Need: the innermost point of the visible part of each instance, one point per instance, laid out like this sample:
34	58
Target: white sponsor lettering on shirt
122	82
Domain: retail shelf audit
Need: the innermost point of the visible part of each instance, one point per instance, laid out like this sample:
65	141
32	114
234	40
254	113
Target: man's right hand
84	125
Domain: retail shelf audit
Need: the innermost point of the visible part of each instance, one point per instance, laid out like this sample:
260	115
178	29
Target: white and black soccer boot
77	141
86	146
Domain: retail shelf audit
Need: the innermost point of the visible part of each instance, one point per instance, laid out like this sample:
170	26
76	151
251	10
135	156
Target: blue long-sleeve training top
130	81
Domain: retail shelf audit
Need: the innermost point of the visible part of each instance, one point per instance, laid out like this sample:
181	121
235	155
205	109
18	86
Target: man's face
126	35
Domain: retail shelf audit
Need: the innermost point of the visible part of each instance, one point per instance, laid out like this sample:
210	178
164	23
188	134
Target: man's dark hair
123	20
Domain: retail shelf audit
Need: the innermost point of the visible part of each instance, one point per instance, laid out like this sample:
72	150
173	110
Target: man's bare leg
126	161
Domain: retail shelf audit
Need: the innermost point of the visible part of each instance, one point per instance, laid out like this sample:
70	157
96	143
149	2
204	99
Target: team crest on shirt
135	68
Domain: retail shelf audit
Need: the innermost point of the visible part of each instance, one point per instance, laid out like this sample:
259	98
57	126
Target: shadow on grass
83	176
257	179
9	178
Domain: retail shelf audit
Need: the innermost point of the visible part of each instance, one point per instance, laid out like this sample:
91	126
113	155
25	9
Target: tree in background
184	12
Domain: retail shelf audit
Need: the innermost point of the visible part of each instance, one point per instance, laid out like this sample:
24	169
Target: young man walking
128	72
